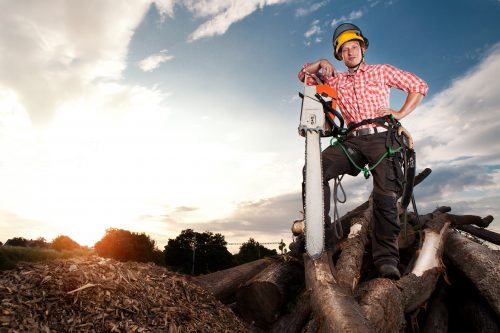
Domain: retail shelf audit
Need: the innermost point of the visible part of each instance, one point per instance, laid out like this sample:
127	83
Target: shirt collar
363	68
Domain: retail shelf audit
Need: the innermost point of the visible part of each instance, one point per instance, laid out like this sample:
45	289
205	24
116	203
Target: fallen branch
260	300
335	310
480	264
294	322
482	222
484	234
224	284
348	265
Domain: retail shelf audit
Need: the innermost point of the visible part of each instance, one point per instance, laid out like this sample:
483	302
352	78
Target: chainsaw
318	118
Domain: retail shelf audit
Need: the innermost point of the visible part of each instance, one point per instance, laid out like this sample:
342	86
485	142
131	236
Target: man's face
351	53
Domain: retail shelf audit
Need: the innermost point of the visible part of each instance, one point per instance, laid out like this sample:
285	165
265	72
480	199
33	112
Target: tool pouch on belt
410	164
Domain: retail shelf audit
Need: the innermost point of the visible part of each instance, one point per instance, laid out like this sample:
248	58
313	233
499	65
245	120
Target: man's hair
361	44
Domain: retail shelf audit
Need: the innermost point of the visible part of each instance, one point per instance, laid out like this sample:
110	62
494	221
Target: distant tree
62	242
158	257
39	242
251	251
210	252
1	244
282	247
17	241
124	245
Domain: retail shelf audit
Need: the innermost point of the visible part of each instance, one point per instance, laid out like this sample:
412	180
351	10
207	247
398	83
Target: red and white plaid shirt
362	93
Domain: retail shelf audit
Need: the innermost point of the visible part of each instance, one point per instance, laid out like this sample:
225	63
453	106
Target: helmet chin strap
356	67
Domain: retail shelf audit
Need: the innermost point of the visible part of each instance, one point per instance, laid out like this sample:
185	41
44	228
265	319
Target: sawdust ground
94	294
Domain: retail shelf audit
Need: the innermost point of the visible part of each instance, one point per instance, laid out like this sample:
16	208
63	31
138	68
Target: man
363	93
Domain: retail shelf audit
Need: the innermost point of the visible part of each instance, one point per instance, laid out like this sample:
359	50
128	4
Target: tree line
190	252
59	243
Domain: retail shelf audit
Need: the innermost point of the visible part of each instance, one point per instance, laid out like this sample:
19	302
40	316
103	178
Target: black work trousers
387	178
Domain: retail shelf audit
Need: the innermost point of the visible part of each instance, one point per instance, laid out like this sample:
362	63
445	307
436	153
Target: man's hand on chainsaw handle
327	69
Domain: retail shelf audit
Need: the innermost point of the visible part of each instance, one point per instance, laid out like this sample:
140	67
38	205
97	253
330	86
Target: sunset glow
158	116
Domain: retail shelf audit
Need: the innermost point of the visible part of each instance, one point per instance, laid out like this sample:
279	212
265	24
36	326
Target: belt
367	131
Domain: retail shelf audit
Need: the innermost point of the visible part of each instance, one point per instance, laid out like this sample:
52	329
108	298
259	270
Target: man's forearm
312	68
412	101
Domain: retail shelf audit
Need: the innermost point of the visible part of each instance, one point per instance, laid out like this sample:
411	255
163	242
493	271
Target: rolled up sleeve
405	81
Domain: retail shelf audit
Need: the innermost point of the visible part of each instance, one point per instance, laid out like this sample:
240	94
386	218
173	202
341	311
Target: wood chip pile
93	294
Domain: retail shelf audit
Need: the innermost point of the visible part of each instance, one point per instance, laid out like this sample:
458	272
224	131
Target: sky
159	116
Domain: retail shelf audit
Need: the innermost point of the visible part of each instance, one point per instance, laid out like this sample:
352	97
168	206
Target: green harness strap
366	169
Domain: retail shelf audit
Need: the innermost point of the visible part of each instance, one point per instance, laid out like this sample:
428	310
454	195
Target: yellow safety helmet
344	33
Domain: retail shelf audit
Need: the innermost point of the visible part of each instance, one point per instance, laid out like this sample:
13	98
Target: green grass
11	255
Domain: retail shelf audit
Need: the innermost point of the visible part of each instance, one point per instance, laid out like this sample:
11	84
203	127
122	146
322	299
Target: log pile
102	295
450	283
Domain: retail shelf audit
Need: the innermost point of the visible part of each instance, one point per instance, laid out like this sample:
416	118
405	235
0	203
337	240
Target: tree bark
469	311
348	265
421	176
480	264
295	321
334	308
224	284
385	302
484	234
437	317
260	300
482	222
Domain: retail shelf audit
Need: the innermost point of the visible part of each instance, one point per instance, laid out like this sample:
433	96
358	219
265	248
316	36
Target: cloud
154	61
456	135
387	3
274	215
108	153
17	226
56	49
315	29
454	178
183	209
356	14
463	119
311	9
265	220
95	163
165	8
222	14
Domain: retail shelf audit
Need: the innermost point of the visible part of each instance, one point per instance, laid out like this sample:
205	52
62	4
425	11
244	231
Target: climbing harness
397	136
390	124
